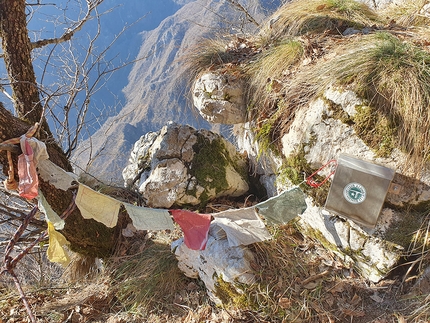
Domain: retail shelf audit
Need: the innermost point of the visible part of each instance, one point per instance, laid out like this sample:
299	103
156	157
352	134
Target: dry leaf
353	312
329	299
339	288
376	298
356	300
284	302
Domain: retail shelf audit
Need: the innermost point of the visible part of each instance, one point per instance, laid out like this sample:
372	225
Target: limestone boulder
180	165
220	98
218	263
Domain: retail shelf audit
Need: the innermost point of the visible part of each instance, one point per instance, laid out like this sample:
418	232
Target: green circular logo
354	193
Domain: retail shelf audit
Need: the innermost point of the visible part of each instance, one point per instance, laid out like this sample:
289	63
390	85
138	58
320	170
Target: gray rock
183	166
220	98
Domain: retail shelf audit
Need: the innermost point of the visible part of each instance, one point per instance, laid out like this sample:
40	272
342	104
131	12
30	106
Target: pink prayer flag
28	180
195	227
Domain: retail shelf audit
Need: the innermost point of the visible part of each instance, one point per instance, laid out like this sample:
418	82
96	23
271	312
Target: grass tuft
150	282
317	16
393	75
279	295
208	54
409	13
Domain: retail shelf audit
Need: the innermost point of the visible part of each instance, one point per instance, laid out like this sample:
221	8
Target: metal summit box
358	190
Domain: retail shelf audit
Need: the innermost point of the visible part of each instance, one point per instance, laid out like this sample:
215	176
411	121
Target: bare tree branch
236	4
91	6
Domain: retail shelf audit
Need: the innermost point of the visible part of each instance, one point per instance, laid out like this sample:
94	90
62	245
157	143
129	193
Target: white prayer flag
149	219
242	226
97	206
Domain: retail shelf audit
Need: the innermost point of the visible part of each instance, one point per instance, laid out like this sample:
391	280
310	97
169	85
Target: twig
315	277
19	232
22	295
11	148
10	263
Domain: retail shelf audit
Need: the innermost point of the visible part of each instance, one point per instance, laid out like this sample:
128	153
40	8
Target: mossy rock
212	165
296	168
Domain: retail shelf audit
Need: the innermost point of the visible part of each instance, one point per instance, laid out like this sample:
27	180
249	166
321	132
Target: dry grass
422	312
81	268
274	62
393	75
408	13
297	281
208	54
300	281
388	69
390	72
263	87
151	283
317	16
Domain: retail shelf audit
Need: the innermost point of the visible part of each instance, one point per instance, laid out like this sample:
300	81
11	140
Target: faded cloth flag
56	251
195	227
284	207
55	175
242	226
50	214
149	219
97	206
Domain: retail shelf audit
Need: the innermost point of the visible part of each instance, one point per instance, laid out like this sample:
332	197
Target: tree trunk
17	56
86	236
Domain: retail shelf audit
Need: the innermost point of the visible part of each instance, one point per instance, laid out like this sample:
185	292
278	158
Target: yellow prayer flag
56	251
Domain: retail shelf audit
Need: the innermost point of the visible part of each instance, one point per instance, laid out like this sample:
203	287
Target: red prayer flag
195	227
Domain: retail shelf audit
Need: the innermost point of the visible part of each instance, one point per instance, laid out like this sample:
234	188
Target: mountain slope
157	90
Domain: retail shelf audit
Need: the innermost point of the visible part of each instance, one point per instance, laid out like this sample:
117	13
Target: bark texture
17	56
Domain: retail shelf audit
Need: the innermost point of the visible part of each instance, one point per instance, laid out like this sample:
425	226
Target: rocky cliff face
157	90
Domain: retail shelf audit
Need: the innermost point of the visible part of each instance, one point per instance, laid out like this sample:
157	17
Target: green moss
422	207
209	166
402	231
370	124
375	129
356	255
295	168
96	240
229	294
264	137
338	112
317	235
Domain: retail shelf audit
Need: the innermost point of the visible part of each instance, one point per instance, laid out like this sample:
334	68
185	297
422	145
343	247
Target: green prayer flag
284	207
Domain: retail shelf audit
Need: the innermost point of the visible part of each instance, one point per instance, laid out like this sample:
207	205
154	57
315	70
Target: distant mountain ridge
156	92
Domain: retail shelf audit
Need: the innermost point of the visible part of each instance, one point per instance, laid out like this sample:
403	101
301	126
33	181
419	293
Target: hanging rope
311	182
10	183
